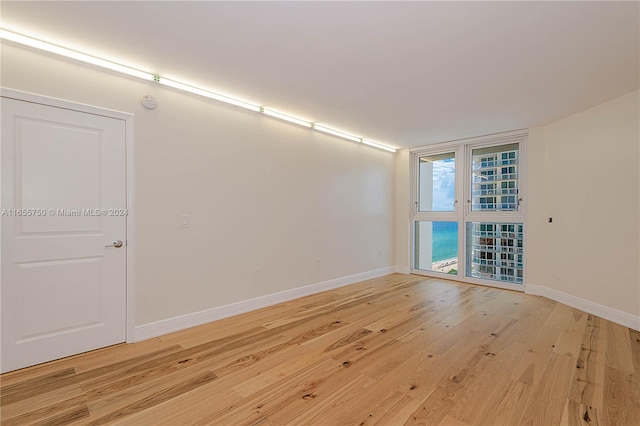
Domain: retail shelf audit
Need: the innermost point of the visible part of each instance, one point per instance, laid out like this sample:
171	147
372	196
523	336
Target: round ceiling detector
149	102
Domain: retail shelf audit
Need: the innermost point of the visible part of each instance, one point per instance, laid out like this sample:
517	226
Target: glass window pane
494	251
436	247
436	183
494	178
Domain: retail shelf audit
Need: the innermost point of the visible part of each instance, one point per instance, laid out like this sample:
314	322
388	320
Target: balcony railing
477	165
501	191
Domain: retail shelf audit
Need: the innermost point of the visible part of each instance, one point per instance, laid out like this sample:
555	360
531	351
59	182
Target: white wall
260	193
584	173
403	223
536	267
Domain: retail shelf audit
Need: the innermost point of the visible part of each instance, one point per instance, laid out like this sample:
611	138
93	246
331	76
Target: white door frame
130	178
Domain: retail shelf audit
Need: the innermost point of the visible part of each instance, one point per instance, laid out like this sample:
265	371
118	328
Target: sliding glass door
480	240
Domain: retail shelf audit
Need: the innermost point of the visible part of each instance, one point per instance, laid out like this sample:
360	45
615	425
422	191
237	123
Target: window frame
434	216
463	212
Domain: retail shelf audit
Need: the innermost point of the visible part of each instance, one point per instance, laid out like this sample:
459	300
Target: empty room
320	213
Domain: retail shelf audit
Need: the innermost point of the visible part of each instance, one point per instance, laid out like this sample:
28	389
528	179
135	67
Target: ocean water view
444	240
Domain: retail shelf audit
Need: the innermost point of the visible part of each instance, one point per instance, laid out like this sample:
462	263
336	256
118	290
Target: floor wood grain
397	350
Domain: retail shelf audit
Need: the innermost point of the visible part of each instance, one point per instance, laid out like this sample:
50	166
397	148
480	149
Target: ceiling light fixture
286	117
206	93
78	56
113	66
378	145
338	133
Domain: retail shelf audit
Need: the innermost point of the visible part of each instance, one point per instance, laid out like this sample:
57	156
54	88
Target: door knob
116	244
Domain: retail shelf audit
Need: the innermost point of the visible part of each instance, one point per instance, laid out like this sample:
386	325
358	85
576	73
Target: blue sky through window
444	172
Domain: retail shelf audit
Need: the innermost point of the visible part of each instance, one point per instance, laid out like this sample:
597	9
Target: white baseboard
614	315
159	328
401	269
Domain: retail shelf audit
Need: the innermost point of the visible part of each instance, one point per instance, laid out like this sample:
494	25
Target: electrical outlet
317	263
257	273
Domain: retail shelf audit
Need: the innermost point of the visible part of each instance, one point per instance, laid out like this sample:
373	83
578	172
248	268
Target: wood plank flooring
397	350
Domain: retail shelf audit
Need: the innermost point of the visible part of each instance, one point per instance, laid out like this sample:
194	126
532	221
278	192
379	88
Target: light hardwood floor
396	350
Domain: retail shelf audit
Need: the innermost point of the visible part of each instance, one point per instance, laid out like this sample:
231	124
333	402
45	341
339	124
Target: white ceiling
402	73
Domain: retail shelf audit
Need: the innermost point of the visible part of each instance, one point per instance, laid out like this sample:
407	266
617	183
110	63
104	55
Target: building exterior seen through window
495	251
494	183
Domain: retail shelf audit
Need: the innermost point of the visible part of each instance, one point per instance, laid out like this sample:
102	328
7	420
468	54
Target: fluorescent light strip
286	117
338	133
207	94
113	66
378	145
82	57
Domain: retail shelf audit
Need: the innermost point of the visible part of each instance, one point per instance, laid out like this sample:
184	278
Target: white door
63	204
